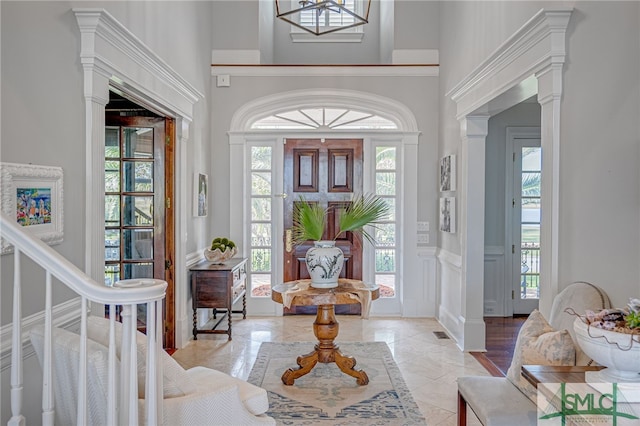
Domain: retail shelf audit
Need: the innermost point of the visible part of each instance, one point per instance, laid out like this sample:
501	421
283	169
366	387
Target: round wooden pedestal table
325	327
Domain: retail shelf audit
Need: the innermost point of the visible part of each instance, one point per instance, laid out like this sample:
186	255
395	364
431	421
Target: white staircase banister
73	277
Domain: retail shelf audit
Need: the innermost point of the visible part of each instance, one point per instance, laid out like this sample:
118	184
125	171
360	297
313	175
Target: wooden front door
325	171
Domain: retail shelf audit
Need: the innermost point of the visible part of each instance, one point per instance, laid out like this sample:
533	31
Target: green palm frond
364	210
309	220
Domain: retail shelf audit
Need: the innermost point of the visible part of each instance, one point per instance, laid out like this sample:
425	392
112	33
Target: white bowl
619	352
217	256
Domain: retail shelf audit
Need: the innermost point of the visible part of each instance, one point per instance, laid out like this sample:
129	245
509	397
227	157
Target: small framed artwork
448	173
201	189
448	214
33	196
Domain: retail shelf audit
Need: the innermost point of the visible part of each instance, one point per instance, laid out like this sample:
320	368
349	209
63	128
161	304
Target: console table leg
195	324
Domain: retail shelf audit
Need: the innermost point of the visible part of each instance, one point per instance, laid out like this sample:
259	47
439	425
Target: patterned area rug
327	396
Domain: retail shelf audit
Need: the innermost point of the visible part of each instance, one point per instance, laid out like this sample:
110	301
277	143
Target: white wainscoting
494	282
450	293
426	293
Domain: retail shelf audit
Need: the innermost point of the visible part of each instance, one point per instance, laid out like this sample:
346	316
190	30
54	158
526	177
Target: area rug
328	397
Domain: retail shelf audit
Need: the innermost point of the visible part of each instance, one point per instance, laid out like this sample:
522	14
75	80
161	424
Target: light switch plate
423	238
423	226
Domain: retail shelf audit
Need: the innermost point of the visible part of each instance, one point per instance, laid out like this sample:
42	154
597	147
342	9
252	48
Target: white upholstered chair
498	401
198	396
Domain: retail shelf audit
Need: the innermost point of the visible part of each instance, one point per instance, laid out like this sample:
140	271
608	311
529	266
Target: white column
549	97
474	131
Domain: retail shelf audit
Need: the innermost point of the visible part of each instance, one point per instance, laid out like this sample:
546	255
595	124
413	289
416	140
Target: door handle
288	240
283	196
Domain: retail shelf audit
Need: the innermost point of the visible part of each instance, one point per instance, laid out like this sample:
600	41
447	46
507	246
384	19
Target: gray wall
521	115
43	119
599	233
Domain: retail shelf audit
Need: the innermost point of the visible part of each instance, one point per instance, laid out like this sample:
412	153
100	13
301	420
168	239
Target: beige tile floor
429	365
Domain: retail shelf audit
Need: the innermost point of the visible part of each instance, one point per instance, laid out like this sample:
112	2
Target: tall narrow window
386	232
261	267
530	222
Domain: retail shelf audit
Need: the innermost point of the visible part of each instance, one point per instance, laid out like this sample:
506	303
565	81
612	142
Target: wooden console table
325	327
219	287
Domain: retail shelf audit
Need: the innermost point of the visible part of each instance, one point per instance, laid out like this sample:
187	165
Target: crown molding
327	70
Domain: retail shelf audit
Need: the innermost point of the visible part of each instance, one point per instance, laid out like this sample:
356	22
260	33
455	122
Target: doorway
327	172
138	229
524	176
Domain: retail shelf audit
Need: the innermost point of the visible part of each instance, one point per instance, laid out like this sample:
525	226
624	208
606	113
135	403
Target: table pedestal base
325	329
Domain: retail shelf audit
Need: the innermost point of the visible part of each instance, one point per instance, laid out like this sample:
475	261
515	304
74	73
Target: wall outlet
223	80
423	238
423	226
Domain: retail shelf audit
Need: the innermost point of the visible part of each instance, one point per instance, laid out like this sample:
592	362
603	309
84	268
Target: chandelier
324	16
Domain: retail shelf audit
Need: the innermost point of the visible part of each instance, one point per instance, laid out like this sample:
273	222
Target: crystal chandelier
324	16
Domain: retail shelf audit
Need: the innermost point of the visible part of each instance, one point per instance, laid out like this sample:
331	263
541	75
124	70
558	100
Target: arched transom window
324	119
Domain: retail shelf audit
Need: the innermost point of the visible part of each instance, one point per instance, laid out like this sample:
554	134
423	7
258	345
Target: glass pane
385	260
137	244
138	176
385	234
530	210
112	210
138	142
392	209
530	270
530	234
112	142
261	260
112	176
138	270
387	284
138	210
386	183
385	158
260	285
111	274
261	158
531	184
261	234
261	209
532	159
260	183
112	244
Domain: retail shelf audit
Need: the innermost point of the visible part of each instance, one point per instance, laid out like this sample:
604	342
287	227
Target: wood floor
501	334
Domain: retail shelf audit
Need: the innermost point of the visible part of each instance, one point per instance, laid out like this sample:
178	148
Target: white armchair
198	396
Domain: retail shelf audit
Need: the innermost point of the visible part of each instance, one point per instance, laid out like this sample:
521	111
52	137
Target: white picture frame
32	196
448	214
448	173
201	194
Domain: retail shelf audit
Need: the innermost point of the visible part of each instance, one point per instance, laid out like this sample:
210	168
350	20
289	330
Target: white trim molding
330	70
388	108
538	48
111	55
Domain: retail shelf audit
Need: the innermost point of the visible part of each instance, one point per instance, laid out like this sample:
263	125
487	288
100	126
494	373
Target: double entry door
327	172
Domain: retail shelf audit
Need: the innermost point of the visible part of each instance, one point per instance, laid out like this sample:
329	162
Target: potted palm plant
325	260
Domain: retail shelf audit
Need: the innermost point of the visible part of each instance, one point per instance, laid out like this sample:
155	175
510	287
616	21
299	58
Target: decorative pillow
176	382
539	344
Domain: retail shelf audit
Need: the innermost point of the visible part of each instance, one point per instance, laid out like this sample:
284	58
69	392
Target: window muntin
324	119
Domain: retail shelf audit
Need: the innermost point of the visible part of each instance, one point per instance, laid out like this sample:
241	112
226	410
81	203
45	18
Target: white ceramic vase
324	263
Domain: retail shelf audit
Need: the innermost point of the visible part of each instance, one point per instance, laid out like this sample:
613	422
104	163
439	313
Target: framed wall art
448	214
201	188
32	195
448	173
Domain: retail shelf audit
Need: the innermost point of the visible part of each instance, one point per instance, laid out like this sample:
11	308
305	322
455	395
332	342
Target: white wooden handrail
128	293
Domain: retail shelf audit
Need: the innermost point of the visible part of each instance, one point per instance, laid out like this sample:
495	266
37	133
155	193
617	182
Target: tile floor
429	365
